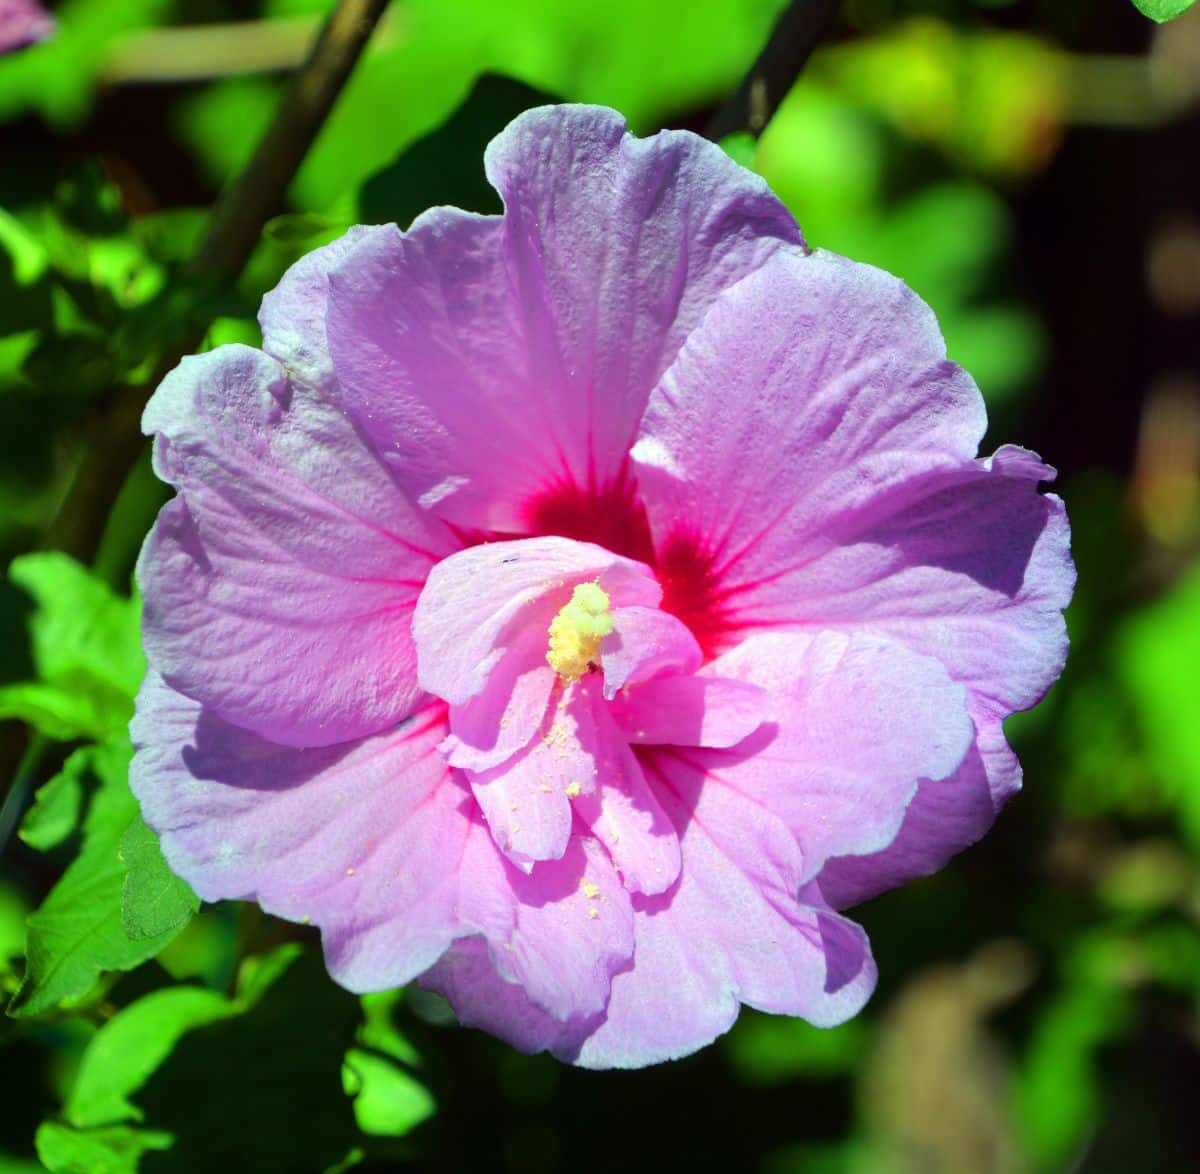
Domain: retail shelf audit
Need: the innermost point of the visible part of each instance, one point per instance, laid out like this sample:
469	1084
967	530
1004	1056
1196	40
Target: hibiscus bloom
576	608
23	23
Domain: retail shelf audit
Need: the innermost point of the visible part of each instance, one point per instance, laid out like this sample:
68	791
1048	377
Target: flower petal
280	583
623	812
22	23
859	723
731	931
834	385
362	840
493	725
691	711
557	933
944	817
831	483
481	599
292	315
644	642
494	358
525	802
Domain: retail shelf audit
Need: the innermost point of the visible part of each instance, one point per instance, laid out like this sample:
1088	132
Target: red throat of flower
614	518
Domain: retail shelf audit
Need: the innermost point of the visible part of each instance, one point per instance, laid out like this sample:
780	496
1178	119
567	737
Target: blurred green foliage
1022	989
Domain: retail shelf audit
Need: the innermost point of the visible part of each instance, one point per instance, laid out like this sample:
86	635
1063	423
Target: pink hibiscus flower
575	608
23	23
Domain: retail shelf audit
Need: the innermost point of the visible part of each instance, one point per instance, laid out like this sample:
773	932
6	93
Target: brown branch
257	194
796	34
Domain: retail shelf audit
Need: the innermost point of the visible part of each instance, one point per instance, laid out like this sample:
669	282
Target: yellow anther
576	632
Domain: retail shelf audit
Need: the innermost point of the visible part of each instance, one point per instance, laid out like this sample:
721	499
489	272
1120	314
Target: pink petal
292	315
496	723
860	722
691	711
493	358
481	599
525	802
731	931
834	386
557	933
944	817
23	23
645	641
624	814
362	840
279	585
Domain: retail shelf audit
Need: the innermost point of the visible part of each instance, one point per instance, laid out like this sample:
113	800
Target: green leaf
56	78
768	1049
76	933
57	806
388	1102
1157	650
86	651
154	901
741	147
115	1150
1058	1096
1162	10
424	59
127	1050
251	1082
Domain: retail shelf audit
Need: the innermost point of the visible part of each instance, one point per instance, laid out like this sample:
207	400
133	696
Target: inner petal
542	648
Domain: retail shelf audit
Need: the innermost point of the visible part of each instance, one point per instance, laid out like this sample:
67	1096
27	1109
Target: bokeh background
1032	169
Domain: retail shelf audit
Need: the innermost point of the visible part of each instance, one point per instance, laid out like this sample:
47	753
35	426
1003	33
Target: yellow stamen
576	632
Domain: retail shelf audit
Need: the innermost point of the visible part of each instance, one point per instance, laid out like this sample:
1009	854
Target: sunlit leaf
86	649
154	901
114	1150
427	53
58	805
1163	10
76	933
130	1046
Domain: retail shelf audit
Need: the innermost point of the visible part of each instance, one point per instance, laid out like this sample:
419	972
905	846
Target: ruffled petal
730	932
557	933
279	585
859	722
493	359
362	840
833	483
944	817
834	385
